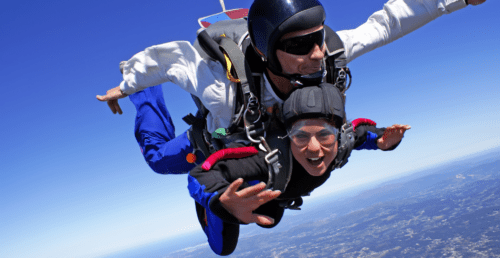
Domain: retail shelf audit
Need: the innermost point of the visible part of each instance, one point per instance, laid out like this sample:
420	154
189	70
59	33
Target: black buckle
347	141
292	204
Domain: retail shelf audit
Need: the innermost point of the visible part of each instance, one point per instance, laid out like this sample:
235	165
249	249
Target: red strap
362	121
229	153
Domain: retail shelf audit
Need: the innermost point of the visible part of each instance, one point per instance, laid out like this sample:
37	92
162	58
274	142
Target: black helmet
323	101
269	20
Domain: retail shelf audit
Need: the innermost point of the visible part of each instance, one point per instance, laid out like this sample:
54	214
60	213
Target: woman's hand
241	204
392	135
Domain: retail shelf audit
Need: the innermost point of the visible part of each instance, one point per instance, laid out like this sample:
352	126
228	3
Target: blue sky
73	182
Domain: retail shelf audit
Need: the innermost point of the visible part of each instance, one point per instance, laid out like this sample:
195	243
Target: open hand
241	204
392	135
112	97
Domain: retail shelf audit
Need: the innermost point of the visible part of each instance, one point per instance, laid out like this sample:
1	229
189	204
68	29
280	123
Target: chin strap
299	80
313	79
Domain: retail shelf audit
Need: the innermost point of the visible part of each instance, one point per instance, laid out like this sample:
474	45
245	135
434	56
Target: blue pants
155	134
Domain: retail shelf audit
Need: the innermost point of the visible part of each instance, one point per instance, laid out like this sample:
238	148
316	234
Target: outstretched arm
177	62
396	19
369	137
392	136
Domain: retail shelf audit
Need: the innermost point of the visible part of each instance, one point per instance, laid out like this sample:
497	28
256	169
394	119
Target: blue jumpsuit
155	134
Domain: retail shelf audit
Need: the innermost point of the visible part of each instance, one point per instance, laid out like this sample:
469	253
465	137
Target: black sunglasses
302	45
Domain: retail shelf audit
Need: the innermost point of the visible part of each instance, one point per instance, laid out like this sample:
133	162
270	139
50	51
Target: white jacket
178	62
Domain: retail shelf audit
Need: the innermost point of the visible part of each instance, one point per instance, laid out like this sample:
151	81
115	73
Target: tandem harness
250	123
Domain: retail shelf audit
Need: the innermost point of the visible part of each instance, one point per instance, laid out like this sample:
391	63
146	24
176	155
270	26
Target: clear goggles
326	134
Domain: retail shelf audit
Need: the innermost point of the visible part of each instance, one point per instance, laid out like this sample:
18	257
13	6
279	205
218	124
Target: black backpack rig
228	43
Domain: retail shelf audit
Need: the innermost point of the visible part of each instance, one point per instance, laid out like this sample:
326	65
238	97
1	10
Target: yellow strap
228	70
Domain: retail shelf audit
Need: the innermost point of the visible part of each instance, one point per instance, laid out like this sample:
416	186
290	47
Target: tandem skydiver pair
277	46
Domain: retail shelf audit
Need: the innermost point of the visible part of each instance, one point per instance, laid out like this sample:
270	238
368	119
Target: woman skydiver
226	192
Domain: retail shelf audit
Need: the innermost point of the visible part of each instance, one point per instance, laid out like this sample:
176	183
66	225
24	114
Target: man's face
302	64
314	145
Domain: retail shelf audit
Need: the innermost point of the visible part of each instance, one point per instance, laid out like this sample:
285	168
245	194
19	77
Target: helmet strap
313	79
299	80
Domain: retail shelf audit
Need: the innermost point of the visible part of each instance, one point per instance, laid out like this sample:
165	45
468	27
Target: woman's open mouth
315	161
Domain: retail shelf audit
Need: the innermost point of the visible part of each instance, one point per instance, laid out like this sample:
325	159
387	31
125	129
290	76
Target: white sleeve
179	62
396	19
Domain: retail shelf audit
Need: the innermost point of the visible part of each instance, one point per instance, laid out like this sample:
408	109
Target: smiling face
314	144
302	64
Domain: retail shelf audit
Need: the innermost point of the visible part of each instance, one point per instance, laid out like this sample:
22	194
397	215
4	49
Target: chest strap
229	153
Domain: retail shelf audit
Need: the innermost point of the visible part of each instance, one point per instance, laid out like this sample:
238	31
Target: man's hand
112	96
392	135
241	204
476	2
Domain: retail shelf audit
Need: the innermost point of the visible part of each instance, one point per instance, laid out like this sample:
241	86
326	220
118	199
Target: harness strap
229	153
196	133
228	69
210	47
252	113
228	53
233	52
346	144
336	62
